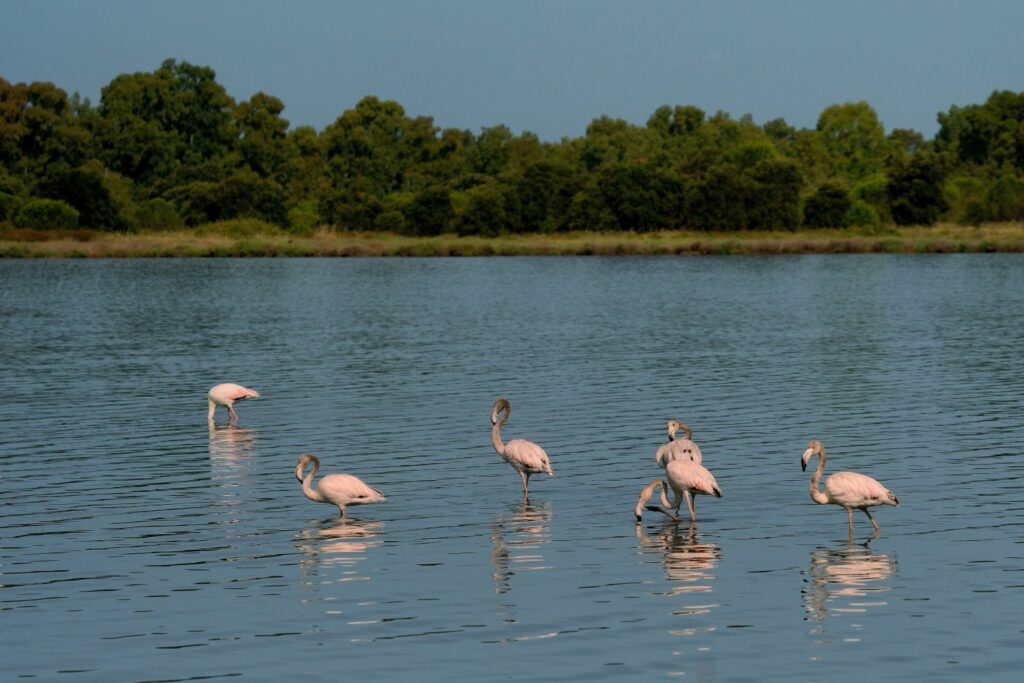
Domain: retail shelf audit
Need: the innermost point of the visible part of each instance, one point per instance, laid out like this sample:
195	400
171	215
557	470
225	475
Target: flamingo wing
680	449
667	453
689	476
855	490
527	456
229	393
347	489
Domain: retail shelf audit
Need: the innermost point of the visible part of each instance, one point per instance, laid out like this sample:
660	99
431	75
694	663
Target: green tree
263	136
915	190
47	214
827	207
153	125
430	212
773	195
854	138
987	134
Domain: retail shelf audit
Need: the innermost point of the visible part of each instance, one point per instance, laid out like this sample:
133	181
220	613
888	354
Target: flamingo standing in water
851	490
678	449
686	479
228	395
525	456
337	489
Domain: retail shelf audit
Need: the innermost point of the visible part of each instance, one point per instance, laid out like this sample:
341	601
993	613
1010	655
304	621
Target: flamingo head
499	406
814	447
304	460
674	426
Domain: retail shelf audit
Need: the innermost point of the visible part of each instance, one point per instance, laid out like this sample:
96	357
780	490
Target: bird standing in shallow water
686	479
525	456
337	489
228	395
851	490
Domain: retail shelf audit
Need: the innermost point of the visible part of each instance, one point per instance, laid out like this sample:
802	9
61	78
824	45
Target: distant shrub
159	214
862	214
47	214
239	227
390	221
827	207
8	205
303	218
1006	199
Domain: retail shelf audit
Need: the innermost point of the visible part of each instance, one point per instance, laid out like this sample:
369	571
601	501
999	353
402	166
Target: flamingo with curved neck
336	489
850	490
678	449
648	492
525	456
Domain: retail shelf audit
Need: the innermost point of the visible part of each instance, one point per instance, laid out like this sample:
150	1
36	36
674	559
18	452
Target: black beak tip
803	466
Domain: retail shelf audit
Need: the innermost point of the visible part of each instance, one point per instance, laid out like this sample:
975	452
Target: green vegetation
169	159
250	237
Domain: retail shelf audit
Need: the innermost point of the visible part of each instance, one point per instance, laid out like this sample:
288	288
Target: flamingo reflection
230	443
342	546
689	562
518	536
846	580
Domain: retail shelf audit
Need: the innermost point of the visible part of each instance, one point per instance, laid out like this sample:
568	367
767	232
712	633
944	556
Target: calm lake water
140	545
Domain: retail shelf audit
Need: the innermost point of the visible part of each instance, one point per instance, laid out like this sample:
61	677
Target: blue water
140	544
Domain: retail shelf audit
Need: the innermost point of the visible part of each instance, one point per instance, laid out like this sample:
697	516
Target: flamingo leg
690	505
233	415
873	522
525	477
342	509
849	512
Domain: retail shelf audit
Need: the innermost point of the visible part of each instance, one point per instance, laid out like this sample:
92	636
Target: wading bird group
685	475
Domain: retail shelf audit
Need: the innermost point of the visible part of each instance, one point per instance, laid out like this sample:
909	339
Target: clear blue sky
545	66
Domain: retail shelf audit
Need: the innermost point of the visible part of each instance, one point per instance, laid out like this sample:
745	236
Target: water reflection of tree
846	580
518	536
689	562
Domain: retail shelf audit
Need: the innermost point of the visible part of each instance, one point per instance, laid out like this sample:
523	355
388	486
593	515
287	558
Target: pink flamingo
228	395
525	456
679	449
686	479
850	490
337	489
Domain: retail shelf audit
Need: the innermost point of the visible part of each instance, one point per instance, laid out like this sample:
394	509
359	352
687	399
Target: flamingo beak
804	458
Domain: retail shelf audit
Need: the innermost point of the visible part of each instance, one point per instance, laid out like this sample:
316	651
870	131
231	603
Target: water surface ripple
141	544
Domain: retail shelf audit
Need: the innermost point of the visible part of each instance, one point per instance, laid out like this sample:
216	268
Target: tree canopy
171	148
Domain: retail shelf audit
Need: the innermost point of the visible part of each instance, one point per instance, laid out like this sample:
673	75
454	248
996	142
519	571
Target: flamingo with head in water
228	395
525	456
336	489
686	480
851	490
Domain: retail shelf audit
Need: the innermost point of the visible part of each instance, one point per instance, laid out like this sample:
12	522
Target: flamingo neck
496	437
818	496
213	407
307	485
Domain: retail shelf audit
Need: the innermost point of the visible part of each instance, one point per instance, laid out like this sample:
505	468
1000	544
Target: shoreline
943	238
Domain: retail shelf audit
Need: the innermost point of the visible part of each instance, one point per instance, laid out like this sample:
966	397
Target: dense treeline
171	149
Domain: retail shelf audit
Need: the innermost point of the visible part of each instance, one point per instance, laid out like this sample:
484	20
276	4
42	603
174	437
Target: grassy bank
1002	237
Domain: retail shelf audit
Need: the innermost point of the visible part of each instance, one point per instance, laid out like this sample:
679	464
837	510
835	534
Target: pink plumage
526	457
690	476
336	489
850	490
678	449
228	395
